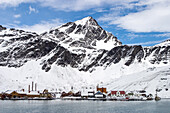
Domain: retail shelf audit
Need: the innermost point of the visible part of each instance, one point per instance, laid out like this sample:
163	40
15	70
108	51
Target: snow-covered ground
116	77
149	74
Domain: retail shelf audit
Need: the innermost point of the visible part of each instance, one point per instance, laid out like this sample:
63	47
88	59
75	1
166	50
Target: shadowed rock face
2	28
63	57
82	34
158	54
121	52
60	48
16	56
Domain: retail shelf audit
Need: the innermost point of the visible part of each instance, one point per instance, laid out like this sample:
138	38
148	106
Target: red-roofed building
118	93
113	93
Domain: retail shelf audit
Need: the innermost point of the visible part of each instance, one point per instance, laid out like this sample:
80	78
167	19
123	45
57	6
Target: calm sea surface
59	106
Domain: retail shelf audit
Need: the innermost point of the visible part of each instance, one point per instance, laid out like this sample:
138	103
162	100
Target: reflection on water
60	106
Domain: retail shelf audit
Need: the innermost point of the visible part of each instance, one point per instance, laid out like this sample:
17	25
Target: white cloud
42	26
66	5
32	10
150	15
17	16
78	5
153	18
13	3
163	35
39	28
17	22
147	43
109	17
100	10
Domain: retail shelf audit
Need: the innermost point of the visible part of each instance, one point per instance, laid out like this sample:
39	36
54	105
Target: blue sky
141	22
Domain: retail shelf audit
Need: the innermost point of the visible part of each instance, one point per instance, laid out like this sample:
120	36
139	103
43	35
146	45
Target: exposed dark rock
71	29
63	57
2	28
62	49
135	52
94	62
67	24
120	52
31	50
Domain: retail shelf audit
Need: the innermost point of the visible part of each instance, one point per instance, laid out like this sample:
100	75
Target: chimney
32	86
28	88
97	87
35	86
23	90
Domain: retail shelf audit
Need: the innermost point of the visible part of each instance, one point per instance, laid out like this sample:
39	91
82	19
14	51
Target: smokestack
35	86
28	88
32	86
23	90
97	87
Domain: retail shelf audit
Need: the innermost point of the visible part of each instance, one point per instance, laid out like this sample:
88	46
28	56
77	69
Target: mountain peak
85	33
87	18
87	21
164	43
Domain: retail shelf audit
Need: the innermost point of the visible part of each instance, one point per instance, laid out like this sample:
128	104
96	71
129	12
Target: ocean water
65	106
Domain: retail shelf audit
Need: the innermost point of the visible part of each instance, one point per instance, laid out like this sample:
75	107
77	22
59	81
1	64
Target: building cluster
103	94
30	94
98	93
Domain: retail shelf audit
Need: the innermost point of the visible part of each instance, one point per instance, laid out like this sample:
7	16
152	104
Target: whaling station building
30	94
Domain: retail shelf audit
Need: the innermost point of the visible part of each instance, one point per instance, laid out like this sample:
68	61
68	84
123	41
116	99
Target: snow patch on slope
58	78
164	43
83	21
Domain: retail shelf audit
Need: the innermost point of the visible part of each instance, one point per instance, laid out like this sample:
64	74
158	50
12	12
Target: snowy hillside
80	54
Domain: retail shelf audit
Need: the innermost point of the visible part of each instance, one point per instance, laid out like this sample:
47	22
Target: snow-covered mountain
80	54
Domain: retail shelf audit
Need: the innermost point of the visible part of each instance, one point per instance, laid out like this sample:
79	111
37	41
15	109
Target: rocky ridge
82	46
